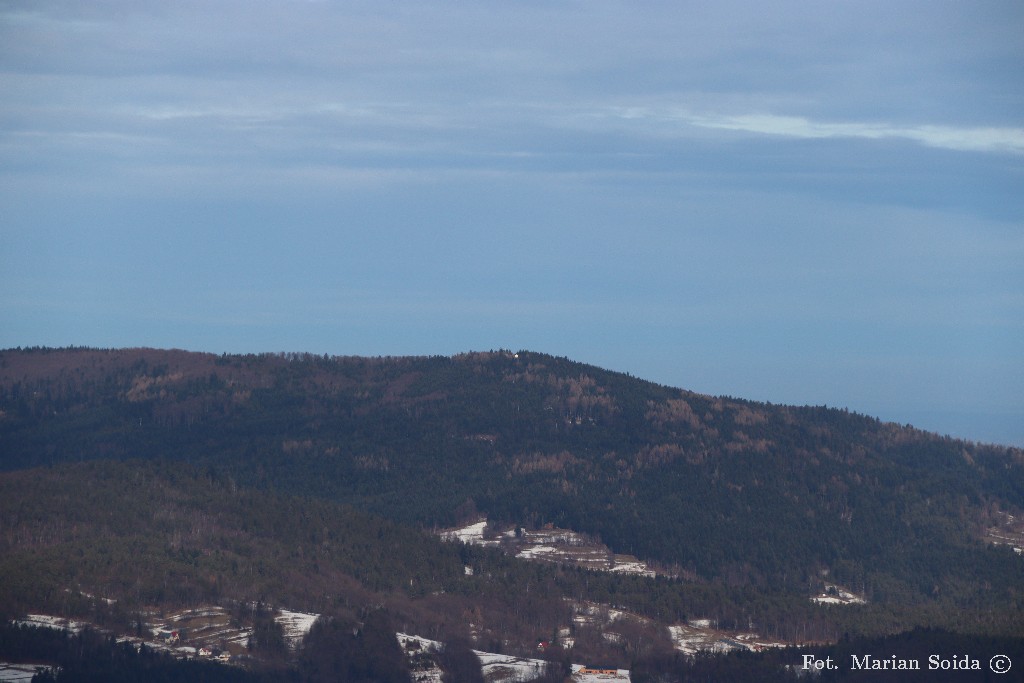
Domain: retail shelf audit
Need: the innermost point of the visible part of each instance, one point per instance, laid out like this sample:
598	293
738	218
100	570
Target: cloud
1005	140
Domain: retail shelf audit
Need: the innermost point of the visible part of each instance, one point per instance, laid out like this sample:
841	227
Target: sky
803	203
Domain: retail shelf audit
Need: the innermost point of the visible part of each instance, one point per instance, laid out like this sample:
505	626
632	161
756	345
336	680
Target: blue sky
804	203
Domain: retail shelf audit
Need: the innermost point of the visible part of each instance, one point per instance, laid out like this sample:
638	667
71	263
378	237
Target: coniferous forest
160	479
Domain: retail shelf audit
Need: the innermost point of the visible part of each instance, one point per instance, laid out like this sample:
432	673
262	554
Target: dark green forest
170	477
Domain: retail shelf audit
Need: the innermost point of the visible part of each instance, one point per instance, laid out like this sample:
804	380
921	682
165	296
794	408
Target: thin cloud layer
1004	140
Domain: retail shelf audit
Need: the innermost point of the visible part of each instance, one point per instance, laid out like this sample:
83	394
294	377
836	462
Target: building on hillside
585	674
169	637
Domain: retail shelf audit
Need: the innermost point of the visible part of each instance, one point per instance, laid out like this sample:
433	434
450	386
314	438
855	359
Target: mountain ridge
777	500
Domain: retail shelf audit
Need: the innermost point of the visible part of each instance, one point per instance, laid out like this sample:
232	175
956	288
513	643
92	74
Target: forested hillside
755	507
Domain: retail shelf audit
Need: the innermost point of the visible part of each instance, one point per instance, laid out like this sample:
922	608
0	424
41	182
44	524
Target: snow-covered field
424	669
433	674
47	621
207	629
630	565
295	625
1009	531
699	636
496	668
549	545
509	669
20	673
471	533
837	595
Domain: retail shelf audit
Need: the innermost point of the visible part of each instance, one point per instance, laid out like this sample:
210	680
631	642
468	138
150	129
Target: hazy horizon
801	204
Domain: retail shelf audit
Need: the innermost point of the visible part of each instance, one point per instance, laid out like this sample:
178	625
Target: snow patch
56	623
496	668
473	533
698	636
295	625
837	595
413	643
563	546
20	673
510	669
